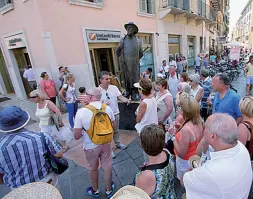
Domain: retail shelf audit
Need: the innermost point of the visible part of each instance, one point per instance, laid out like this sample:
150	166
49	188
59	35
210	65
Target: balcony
192	9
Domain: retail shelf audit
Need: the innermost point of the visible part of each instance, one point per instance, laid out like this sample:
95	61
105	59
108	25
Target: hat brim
19	125
130	191
136	28
194	161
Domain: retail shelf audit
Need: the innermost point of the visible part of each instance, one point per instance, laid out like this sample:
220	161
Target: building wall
55	34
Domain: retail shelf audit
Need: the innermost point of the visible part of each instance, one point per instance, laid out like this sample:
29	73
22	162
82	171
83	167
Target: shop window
173	40
147	6
88	3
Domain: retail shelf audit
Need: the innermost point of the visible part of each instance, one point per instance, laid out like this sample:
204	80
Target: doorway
23	60
5	74
104	59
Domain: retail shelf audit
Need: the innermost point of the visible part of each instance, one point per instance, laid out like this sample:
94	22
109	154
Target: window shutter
143	5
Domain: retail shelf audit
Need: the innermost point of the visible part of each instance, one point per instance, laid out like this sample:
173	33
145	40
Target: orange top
191	149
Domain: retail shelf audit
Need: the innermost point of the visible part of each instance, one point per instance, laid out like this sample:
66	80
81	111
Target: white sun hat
130	192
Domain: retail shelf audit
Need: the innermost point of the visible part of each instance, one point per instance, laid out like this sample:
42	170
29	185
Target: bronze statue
130	52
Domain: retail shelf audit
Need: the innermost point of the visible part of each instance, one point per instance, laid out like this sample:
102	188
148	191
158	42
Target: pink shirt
49	87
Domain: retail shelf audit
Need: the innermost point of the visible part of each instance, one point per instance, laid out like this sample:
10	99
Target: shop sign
101	36
222	39
16	41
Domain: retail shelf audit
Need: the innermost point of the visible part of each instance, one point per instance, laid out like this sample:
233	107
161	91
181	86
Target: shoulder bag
58	165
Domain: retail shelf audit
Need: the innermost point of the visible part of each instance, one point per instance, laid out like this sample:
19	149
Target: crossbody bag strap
250	149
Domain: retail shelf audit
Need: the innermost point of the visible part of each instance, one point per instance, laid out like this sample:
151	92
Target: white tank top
43	114
195	91
150	115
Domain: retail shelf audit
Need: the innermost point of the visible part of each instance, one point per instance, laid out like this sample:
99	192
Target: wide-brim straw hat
194	161
130	192
38	190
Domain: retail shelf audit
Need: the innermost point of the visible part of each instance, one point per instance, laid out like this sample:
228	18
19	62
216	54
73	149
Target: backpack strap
103	108
249	127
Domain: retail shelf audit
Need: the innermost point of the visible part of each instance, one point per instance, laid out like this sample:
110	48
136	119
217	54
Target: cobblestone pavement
76	178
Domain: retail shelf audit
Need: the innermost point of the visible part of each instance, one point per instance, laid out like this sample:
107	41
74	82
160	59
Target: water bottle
167	134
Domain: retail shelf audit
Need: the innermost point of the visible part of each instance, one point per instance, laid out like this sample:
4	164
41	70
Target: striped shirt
22	157
207	90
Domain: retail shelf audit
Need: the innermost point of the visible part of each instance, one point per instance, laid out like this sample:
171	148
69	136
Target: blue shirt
228	104
22	157
198	59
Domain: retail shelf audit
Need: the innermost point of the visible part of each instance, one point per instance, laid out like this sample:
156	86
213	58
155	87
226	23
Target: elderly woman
48	86
44	111
165	107
68	95
156	178
186	137
197	90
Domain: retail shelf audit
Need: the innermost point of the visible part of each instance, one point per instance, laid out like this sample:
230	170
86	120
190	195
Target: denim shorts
249	80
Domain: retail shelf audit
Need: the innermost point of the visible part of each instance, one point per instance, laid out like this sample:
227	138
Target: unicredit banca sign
98	36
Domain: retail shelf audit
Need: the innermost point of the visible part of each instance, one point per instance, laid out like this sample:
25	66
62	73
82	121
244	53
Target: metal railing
197	7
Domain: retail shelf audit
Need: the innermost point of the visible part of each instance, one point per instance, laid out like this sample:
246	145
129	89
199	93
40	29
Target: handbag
58	165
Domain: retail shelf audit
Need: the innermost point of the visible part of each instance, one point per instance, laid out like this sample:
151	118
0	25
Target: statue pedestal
127	115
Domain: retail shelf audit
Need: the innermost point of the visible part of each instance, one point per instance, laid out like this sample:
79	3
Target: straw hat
38	190
194	161
130	192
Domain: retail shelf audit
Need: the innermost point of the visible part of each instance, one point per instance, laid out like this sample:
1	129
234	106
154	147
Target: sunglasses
107	96
34	97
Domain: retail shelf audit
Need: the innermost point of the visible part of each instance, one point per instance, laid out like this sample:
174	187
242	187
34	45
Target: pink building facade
83	35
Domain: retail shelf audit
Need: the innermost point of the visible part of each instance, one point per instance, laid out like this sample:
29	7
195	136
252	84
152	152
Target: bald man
228	173
95	153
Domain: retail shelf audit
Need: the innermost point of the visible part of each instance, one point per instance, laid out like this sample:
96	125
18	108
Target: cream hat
38	190
130	192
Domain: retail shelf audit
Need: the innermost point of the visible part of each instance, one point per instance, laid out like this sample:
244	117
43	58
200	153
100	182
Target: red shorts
102	153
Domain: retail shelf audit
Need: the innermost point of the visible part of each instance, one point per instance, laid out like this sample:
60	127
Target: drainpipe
203	36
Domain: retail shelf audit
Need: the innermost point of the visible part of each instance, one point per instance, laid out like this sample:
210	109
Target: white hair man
228	173
95	153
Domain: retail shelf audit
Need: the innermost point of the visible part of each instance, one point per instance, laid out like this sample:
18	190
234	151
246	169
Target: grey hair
223	78
225	127
102	73
186	87
96	92
41	94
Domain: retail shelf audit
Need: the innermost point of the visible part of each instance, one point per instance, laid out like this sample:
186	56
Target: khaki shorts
102	153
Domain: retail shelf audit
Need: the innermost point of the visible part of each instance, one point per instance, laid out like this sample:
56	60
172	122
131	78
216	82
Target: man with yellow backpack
95	123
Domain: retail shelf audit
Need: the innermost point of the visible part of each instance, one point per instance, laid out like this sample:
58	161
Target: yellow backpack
101	130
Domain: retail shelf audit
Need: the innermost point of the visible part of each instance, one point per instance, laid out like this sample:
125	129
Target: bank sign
15	41
102	36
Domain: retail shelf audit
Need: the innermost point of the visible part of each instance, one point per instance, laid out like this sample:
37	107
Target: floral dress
164	174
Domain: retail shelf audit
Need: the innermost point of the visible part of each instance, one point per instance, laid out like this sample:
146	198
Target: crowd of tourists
192	129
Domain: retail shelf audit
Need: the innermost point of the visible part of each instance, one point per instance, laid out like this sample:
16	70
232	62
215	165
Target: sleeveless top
150	115
192	148
164	175
44	114
195	91
161	107
248	141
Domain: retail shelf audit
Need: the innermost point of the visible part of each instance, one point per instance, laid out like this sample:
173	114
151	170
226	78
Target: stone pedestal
127	115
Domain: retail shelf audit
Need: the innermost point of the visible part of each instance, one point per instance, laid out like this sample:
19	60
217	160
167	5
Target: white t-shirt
150	115
164	69
70	93
173	85
29	75
110	97
228	175
83	120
